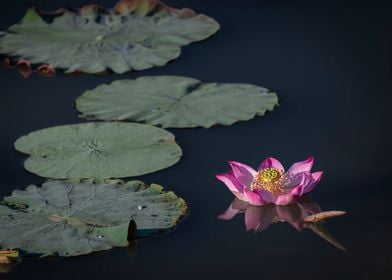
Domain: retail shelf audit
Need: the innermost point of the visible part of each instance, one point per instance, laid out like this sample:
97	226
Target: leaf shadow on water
259	218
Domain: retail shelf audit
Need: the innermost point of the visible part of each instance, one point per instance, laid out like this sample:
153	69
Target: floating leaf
98	150
136	34
67	218
171	101
323	215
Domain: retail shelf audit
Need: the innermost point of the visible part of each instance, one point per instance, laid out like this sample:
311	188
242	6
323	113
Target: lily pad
98	150
135	34
67	218
171	101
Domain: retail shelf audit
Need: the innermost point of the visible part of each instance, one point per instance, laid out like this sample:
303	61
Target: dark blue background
329	62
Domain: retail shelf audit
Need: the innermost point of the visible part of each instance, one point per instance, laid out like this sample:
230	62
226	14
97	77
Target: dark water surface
330	63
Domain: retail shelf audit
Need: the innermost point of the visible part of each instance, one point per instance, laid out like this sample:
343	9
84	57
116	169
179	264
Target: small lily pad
171	101
135	34
98	150
68	218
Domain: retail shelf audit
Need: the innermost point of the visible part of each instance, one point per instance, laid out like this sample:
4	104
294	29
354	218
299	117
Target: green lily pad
135	34
68	218
98	150
171	101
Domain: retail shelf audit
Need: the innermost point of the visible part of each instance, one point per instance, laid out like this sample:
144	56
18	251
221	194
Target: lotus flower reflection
259	218
270	184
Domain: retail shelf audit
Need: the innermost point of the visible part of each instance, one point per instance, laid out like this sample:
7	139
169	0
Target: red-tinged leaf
187	13
24	68
46	70
124	6
76	74
56	12
143	6
6	63
91	8
103	73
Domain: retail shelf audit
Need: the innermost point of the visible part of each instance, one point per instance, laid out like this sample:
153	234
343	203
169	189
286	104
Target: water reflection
8	264
259	218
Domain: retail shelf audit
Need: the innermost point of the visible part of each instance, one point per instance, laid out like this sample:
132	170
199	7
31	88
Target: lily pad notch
176	102
134	35
71	218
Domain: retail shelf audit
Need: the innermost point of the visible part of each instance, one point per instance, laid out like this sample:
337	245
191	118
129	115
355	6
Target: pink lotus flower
270	184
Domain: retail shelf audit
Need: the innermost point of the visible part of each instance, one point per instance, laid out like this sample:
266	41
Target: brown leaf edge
26	69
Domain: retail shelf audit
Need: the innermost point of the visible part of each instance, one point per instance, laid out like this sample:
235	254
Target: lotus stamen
269	179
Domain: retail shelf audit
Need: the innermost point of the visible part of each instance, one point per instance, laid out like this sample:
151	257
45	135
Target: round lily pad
98	150
171	101
68	218
135	34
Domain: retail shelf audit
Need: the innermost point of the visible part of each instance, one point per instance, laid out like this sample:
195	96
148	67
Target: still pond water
330	64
